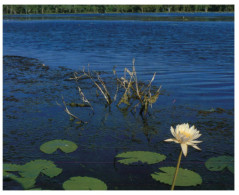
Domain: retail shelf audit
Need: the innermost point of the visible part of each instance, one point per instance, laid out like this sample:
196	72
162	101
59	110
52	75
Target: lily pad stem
176	171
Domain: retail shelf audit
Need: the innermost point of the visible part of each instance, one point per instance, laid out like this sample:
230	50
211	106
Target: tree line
71	9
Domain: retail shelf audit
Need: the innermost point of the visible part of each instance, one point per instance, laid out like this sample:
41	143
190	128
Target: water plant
183	135
140	156
84	183
185	177
134	92
98	82
220	163
30	171
137	90
64	145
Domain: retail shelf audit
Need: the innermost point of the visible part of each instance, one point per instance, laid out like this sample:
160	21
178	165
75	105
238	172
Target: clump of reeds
135	93
98	82
140	92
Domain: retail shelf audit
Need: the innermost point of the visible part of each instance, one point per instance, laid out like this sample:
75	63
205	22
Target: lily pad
84	183
25	182
35	189
184	178
34	168
64	145
11	167
219	163
140	156
30	171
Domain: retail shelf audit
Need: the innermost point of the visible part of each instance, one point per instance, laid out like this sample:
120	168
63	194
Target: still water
193	56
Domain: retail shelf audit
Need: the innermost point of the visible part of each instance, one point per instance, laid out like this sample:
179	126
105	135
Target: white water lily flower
185	136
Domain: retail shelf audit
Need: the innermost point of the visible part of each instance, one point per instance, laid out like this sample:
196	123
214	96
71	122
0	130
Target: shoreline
92	13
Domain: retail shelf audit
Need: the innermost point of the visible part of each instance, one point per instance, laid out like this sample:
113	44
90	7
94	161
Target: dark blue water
192	54
197	55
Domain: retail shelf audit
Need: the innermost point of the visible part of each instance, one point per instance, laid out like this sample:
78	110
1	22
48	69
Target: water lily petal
169	140
195	146
196	136
172	131
196	141
184	149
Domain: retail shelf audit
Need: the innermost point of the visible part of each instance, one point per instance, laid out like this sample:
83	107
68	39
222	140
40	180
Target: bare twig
68	112
84	99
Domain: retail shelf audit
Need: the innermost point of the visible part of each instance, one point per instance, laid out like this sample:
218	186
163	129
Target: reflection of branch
84	99
68	112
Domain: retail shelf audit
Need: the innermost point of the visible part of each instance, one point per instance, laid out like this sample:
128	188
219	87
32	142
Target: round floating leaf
219	163
34	168
140	156
84	183
184	178
64	145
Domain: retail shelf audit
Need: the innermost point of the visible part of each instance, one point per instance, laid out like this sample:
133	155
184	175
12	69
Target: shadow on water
32	117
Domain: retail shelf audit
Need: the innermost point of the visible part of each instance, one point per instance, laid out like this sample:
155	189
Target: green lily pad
35	189
64	145
34	168
219	163
231	168
30	171
184	178
25	182
140	156
11	167
84	183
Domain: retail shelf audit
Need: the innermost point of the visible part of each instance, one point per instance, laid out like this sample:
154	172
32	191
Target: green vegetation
185	177
84	183
73	9
220	163
64	145
30	171
133	92
140	156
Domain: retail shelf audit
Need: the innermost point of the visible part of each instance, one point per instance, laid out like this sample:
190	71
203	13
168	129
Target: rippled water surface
193	56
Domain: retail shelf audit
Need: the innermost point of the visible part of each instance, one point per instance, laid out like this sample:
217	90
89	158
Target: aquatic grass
132	90
100	84
141	93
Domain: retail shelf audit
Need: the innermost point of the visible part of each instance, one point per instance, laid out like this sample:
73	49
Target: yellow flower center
186	134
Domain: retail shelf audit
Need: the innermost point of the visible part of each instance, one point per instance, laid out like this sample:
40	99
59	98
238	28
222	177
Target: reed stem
176	171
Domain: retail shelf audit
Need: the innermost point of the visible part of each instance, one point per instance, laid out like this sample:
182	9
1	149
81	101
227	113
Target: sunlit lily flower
185	136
